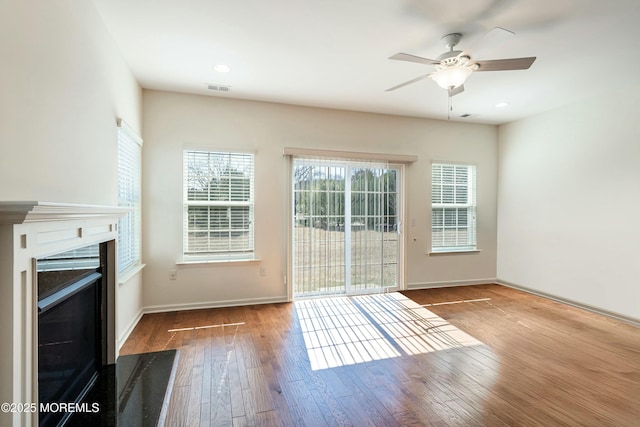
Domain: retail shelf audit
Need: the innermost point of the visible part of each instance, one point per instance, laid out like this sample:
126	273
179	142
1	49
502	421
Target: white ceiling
333	53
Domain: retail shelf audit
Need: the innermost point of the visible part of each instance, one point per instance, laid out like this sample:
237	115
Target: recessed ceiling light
502	104
221	68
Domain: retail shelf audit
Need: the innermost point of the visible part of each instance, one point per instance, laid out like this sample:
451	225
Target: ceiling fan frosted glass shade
451	77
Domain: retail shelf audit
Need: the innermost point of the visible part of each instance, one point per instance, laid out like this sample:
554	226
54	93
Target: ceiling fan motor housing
449	56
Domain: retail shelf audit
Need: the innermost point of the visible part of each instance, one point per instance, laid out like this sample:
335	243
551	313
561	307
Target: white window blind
129	188
453	207
218	205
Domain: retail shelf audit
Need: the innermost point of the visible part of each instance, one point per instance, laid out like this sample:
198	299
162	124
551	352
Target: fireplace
35	348
71	308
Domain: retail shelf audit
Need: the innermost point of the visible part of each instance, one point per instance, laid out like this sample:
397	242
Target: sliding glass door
346	220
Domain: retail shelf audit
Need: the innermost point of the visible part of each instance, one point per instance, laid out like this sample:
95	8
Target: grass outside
319	260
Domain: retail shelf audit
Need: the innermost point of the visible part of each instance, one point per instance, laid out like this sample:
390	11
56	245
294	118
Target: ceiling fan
455	66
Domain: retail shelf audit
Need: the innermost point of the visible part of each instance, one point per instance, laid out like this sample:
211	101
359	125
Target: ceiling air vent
219	88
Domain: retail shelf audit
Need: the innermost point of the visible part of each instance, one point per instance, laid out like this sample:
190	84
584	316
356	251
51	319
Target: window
129	169
453	207
218	206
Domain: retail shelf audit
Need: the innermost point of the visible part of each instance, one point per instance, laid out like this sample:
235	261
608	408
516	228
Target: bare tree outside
219	203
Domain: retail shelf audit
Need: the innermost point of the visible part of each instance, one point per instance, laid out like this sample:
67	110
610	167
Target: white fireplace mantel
30	230
26	212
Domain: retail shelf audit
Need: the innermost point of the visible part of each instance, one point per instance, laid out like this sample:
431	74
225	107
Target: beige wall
569	198
174	121
63	83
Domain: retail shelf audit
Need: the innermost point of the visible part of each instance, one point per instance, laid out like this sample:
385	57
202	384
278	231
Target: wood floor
537	362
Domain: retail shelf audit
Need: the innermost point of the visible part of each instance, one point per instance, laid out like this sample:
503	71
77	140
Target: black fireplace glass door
68	344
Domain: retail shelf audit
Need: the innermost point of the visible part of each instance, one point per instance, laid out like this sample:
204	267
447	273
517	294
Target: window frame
470	207
130	196
238	255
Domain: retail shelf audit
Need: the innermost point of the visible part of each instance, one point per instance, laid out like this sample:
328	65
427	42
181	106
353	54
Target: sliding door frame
398	162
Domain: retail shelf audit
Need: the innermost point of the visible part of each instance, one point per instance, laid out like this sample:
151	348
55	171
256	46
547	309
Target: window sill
454	252
216	262
125	276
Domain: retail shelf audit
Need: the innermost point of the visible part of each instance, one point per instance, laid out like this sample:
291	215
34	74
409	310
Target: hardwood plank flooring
535	363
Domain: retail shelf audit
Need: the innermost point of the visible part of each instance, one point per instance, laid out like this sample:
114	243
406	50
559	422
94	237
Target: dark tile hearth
130	393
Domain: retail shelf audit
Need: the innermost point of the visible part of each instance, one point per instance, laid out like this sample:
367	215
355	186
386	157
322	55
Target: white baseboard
623	318
213	304
450	283
130	328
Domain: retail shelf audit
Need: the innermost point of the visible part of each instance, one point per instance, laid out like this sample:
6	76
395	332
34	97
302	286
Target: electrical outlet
263	271
173	274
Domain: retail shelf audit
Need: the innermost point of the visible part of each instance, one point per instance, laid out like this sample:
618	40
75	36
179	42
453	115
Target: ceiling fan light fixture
451	77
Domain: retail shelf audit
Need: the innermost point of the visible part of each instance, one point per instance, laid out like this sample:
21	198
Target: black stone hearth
130	393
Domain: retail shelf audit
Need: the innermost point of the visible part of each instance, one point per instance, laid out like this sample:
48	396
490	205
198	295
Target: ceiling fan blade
456	90
488	41
505	64
417	79
413	58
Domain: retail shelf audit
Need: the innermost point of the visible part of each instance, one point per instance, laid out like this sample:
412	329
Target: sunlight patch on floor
195	328
457	302
342	331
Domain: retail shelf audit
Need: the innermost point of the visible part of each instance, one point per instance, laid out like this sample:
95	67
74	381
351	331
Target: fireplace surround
30	231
